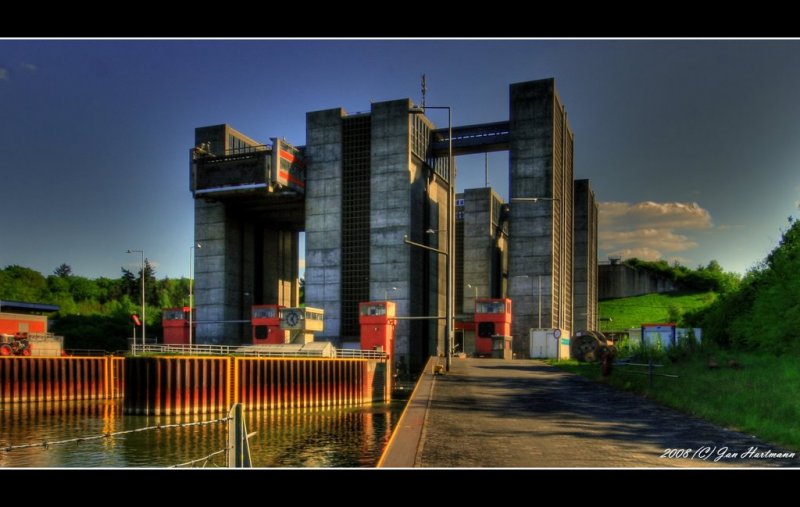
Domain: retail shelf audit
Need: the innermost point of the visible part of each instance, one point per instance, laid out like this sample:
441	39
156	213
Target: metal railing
649	371
360	354
258	351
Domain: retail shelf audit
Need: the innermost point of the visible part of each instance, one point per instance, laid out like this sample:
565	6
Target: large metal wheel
5	349
585	346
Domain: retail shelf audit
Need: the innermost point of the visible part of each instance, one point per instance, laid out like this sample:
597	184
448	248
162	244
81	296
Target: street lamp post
191	278
144	310
449	264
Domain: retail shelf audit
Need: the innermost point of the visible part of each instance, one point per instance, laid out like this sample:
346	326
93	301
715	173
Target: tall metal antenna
424	89
486	169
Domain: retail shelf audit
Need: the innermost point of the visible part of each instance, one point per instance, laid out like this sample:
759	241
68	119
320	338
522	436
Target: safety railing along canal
255	351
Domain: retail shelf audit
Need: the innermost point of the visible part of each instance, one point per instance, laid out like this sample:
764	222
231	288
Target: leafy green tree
83	288
763	311
23	284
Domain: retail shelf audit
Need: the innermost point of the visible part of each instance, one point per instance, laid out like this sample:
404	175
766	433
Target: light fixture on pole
144	310
450	265
191	279
386	293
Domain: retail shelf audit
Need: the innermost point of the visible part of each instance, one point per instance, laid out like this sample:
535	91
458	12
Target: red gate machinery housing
176	325
266	321
377	326
492	317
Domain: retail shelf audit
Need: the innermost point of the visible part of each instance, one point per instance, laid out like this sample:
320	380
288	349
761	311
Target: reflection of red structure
266	321
377	326
175	322
492	317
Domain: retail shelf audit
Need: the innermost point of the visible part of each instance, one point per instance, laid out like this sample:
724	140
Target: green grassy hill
631	312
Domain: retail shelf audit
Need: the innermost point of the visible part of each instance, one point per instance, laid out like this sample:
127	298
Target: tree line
704	278
95	313
763	311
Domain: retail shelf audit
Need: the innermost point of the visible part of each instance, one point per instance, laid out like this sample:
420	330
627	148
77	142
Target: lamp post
191	278
449	264
144	314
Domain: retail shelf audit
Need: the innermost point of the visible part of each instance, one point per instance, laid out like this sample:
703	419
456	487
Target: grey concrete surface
524	413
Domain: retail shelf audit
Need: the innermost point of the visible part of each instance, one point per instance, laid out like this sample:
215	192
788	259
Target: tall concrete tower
247	220
372	179
540	233
585	266
362	183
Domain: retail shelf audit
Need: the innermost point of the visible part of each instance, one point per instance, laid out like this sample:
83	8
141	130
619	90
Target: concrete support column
324	215
218	273
280	269
391	216
478	245
531	224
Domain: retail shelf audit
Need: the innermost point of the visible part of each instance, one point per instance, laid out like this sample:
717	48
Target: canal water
325	438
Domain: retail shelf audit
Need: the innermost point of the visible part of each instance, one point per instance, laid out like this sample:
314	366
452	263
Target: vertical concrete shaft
218	286
540	233
482	268
585	264
280	267
391	215
324	216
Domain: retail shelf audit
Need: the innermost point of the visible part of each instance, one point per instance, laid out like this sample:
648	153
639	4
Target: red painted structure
176	325
266	322
492	317
13	323
377	326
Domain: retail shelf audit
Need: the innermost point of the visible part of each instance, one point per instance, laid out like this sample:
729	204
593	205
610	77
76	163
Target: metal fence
250	351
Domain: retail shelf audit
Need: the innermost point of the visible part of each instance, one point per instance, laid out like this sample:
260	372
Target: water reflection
325	438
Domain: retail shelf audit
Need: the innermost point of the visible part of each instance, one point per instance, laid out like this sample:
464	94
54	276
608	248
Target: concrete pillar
280	267
537	235
218	273
585	255
391	217
324	216
478	245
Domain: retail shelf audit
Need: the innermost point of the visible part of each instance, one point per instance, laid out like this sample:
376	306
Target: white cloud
648	230
29	67
3	74
673	215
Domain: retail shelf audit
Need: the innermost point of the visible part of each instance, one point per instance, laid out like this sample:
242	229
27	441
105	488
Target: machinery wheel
26	352
5	349
584	346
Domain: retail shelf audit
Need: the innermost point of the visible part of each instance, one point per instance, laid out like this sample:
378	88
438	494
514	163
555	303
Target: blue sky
691	146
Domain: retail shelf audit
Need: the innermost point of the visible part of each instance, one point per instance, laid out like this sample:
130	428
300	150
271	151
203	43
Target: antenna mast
424	89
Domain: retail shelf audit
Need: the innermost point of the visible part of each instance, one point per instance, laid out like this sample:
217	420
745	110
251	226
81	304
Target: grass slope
634	311
759	398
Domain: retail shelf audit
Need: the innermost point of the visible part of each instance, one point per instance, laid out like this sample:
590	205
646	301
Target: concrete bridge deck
524	413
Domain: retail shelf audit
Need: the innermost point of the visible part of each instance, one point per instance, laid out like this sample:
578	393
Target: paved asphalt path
524	413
